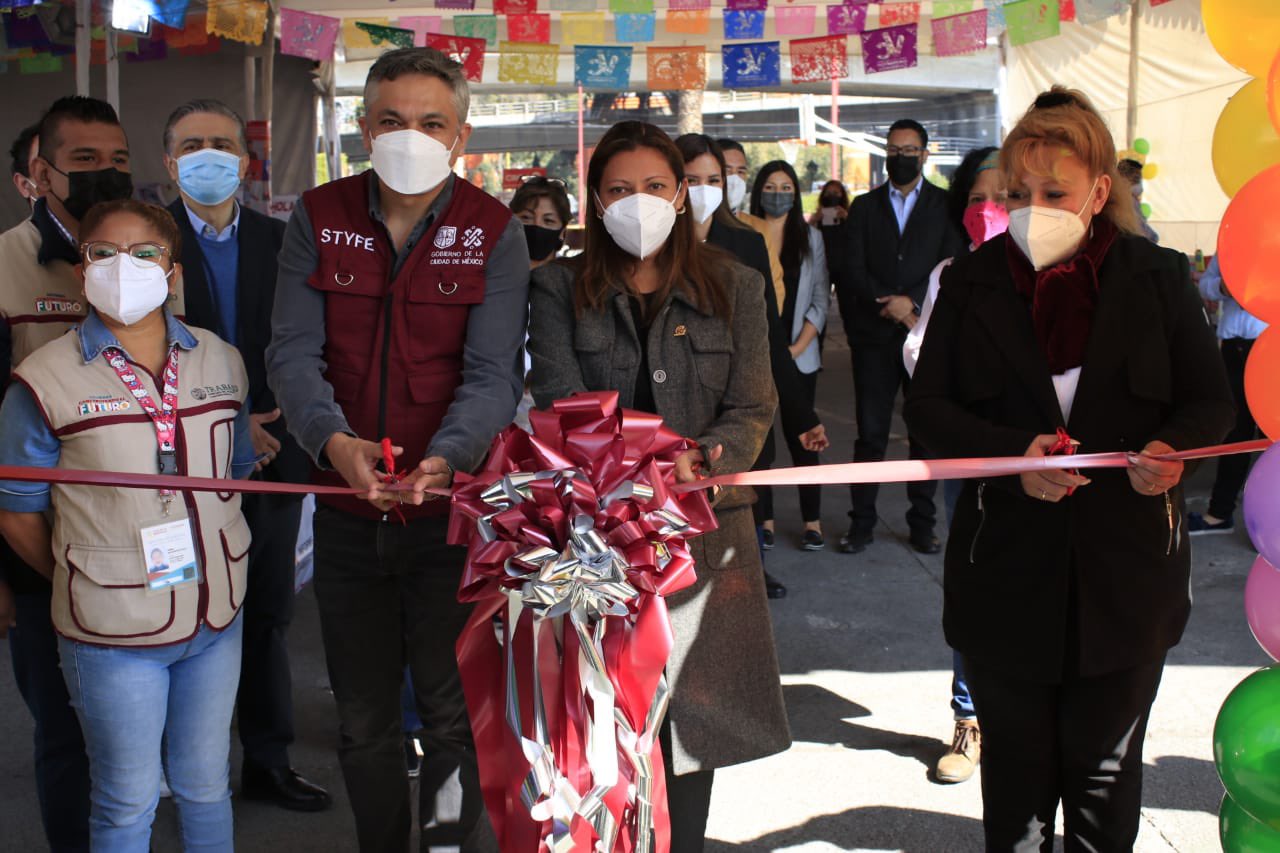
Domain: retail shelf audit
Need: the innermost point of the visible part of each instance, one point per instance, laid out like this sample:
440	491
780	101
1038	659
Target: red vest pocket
439	302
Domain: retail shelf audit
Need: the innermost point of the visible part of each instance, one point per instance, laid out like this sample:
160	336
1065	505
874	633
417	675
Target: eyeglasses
141	254
904	150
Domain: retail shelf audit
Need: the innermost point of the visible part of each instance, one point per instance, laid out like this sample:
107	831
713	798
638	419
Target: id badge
169	554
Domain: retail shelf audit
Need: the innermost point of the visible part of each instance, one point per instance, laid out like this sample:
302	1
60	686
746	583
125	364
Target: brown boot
966	750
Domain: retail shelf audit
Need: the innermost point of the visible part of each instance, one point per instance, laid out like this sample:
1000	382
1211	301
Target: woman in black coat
716	225
1064	591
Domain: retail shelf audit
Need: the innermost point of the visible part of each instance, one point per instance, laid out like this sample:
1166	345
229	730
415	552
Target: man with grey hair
229	280
400	314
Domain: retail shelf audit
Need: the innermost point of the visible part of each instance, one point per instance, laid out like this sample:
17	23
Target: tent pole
1131	117
582	166
84	44
835	120
250	85
113	69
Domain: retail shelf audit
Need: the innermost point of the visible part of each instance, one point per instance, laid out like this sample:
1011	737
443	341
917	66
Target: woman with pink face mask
975	202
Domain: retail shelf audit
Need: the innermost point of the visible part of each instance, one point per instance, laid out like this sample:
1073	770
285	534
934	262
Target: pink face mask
985	220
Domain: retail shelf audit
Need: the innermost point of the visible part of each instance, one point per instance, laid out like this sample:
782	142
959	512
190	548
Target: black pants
688	800
388	596
1079	742
265	703
61	765
810	496
878	373
1233	470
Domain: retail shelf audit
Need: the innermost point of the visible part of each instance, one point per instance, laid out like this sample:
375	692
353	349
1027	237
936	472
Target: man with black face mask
82	158
893	237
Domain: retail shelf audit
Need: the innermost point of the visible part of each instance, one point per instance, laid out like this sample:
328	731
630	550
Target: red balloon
1249	247
1262	382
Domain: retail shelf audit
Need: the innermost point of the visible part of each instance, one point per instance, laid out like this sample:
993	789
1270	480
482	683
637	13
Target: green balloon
1240	833
1146	210
1142	146
1246	745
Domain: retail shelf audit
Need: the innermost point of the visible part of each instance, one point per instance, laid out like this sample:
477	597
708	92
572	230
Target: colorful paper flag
455	4
600	67
688	4
897	14
746	66
534	64
308	35
947	8
41	63
1066	10
244	21
573	5
688	21
747	4
1155	3
59	23
477	27
794	20
148	50
422	26
1092	11
384	36
515	7
846	19
634	28
1031	20
817	59
676	68
995	15
355	37
170	13
468	52
743	24
195	33
582	28
630	7
532	29
889	49
957	35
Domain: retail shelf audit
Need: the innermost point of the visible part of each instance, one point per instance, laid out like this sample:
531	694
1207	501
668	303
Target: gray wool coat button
660	376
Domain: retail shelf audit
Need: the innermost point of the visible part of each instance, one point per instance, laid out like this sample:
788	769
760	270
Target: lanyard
165	418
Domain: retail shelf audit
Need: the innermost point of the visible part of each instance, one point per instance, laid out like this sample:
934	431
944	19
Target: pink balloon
1262	606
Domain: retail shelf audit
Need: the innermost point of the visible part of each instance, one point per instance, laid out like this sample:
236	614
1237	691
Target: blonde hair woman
1064	591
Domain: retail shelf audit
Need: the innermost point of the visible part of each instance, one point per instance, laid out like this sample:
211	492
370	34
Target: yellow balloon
1244	142
1245	32
1150	170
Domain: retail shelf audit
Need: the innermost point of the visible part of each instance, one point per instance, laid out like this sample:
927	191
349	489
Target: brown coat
712	382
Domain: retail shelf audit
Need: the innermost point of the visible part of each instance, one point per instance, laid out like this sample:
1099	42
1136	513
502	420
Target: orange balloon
1245	33
1249	247
1262	382
1244	142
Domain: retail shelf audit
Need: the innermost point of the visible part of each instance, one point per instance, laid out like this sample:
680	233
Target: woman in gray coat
678	328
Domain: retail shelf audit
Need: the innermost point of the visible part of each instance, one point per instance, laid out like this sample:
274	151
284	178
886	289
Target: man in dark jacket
229	278
895	235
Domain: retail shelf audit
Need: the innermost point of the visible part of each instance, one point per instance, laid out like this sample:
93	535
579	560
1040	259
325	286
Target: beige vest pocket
108	596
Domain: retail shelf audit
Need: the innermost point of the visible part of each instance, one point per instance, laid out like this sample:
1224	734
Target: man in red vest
400	312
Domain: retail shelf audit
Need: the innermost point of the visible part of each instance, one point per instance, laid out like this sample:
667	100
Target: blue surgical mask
209	176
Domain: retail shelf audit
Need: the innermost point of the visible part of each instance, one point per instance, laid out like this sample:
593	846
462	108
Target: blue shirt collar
205	230
95	337
914	191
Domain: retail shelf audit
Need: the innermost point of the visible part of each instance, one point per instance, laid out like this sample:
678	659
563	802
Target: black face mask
902	169
543	242
89	188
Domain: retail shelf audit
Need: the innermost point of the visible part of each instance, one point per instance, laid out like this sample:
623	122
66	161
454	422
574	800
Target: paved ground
867	680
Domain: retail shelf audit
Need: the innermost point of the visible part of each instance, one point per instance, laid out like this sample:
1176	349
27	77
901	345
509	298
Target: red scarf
1063	297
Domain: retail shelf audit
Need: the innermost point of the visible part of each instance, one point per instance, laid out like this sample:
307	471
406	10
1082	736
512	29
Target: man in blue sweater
228	258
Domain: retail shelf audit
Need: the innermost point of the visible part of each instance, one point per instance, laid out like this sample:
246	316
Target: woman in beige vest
147	584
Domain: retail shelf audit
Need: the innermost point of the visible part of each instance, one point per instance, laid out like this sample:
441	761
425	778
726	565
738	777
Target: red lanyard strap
164	417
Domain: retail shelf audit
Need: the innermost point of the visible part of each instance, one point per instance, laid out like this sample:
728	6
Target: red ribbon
607	448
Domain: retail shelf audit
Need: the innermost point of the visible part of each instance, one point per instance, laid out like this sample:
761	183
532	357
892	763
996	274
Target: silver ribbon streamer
587	582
